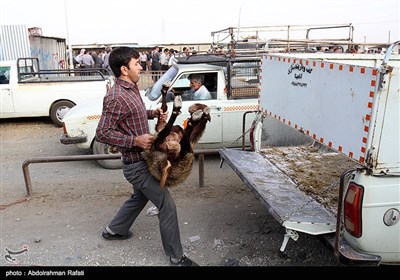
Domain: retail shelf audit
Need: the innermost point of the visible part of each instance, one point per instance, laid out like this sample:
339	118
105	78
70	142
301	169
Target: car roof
220	60
198	66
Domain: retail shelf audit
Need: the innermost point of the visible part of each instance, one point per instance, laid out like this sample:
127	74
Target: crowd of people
161	59
158	59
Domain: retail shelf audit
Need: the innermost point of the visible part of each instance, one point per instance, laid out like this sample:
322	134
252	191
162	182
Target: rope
259	117
4	206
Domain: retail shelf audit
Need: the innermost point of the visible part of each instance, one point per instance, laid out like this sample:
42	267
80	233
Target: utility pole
163	31
240	12
71	61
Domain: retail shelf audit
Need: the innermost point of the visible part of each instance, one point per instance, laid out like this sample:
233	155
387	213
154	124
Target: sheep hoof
167	84
178	102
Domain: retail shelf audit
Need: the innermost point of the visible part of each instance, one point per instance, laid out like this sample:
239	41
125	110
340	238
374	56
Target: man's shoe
109	236
183	261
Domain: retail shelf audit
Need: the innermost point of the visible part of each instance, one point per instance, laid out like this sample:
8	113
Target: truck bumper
66	139
346	255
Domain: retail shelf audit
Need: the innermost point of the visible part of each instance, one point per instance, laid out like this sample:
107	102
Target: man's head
196	81
124	62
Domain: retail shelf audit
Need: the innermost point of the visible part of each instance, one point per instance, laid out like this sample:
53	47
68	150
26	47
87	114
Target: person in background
155	63
172	60
164	57
124	123
87	62
148	61
96	59
78	58
185	52
143	60
106	65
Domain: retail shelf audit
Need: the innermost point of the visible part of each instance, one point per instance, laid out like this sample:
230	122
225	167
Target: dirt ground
221	224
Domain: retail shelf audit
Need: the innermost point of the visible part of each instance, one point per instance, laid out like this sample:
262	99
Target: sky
148	22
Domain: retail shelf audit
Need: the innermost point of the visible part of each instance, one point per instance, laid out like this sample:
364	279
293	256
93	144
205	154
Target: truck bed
62	76
290	199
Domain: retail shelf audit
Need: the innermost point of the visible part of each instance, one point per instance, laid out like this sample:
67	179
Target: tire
58	111
101	149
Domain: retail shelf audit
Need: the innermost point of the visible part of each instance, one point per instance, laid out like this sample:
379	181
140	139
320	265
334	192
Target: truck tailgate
291	207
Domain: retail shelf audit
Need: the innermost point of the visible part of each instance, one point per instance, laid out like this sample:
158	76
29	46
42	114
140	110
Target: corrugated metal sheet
17	42
52	52
14	42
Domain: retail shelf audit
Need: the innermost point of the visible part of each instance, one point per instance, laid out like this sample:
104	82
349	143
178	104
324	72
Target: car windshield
154	92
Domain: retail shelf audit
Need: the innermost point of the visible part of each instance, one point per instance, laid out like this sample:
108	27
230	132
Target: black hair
121	56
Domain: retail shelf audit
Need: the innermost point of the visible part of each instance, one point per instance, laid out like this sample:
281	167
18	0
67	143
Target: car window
182	85
5	75
182	82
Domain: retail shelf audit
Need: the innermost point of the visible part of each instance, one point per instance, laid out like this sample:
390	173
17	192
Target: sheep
171	157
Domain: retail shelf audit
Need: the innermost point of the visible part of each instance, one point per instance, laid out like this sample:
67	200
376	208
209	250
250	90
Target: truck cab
233	88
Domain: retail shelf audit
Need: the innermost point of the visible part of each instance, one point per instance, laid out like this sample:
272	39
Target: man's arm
204	94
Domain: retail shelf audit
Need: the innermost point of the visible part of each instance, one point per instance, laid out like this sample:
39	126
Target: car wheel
101	149
58	111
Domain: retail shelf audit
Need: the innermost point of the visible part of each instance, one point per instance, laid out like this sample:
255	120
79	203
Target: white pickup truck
233	84
28	91
349	105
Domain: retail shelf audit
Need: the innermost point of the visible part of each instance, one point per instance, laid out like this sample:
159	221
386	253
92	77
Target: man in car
197	89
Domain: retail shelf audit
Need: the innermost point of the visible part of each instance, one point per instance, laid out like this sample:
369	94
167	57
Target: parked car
227	108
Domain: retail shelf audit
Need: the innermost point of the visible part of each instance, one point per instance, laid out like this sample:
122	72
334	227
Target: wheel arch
56	103
60	100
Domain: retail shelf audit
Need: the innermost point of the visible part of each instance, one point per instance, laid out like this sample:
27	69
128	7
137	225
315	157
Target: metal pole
26	163
201	170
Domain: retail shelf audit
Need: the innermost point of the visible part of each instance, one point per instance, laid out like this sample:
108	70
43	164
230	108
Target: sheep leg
161	124
167	129
164	91
186	147
164	174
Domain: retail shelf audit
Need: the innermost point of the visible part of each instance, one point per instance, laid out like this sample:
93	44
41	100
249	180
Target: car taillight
352	209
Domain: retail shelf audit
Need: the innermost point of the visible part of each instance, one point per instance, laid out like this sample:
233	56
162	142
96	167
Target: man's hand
176	92
144	141
158	113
